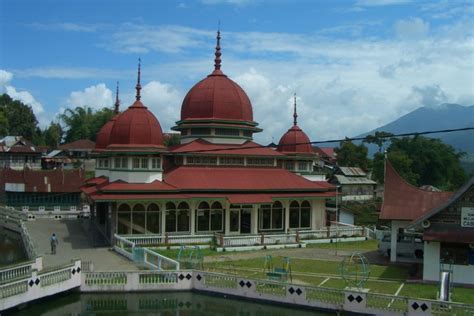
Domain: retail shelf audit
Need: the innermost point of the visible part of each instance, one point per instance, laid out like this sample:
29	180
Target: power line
333	140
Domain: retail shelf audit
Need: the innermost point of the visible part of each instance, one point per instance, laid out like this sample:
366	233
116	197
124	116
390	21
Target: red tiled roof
44	180
248	148
81	144
402	201
121	197
231	178
124	186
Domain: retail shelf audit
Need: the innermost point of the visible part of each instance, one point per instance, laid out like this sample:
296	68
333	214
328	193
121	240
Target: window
99	163
124	163
209	219
303	165
138	219
153	219
300	216
136	163
234	220
203	217
124	220
200	131
290	165
271	216
155	163
248	133
106	163
231	161
117	162
177	219
217	217
144	164
227	132
454	253
201	160
260	161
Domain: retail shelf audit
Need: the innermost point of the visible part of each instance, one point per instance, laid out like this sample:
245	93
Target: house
448	235
216	180
404	203
18	153
41	190
355	184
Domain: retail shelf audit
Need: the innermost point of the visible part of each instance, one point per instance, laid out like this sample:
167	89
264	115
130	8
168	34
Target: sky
354	65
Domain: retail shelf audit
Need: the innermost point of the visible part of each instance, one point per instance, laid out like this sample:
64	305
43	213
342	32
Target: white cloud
413	28
66	26
96	97
71	73
5	78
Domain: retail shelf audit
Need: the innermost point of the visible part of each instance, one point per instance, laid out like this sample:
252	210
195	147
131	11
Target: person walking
54	243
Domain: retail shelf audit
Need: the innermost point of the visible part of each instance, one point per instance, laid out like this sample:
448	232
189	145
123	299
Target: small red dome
218	98
136	127
292	137
103	136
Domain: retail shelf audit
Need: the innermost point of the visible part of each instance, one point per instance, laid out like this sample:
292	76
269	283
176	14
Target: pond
158	303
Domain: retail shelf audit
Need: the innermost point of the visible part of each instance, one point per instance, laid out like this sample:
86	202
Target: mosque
216	180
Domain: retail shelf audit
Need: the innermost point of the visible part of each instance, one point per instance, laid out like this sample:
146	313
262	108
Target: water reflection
168	303
11	248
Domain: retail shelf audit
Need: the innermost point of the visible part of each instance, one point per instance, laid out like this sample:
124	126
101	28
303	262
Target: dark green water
11	248
168	303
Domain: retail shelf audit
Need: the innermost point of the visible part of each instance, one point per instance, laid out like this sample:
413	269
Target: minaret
295	115
117	100
217	60
138	87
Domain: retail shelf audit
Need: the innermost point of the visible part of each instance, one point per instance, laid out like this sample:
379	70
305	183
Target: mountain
445	116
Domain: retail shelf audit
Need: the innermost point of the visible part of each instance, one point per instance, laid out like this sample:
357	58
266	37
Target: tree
53	135
379	139
4	126
20	117
424	161
84	123
352	155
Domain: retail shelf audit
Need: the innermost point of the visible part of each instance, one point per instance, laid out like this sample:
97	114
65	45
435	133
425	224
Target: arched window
294	215
138	219
124	220
217	217
305	215
153	219
203	217
271	216
170	219
183	217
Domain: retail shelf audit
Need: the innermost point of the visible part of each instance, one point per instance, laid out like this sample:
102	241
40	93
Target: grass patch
370	244
430	291
173	253
324	267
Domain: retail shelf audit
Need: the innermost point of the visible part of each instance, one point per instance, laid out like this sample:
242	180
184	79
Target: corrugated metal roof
352	171
200	146
353	180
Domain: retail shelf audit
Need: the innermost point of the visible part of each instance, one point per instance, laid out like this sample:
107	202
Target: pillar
163	219
286	207
226	218
393	242
254	220
192	217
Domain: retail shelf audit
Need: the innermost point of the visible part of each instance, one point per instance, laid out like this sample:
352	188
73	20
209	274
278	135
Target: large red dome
217	98
295	141
137	127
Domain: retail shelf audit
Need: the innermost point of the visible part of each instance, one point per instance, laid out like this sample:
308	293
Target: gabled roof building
216	180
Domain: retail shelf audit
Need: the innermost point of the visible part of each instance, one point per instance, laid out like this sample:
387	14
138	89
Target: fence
270	291
160	240
27	284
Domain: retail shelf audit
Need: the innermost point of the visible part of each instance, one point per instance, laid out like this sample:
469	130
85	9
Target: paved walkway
73	244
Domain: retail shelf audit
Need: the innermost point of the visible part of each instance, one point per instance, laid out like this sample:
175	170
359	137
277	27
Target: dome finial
138	86
117	100
217	60
295	115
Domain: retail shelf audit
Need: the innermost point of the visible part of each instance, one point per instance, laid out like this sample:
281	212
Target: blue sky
354	65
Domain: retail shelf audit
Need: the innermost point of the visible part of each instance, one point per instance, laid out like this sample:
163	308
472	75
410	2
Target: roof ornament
217	60
138	86
117	100
295	115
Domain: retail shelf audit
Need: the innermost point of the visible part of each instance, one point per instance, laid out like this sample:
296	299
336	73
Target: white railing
16	271
124	246
27	243
35	285
297	295
159	262
158	240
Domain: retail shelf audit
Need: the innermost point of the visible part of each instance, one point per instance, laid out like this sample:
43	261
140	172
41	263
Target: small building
18	153
448	235
355	184
71	155
41	190
404	203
